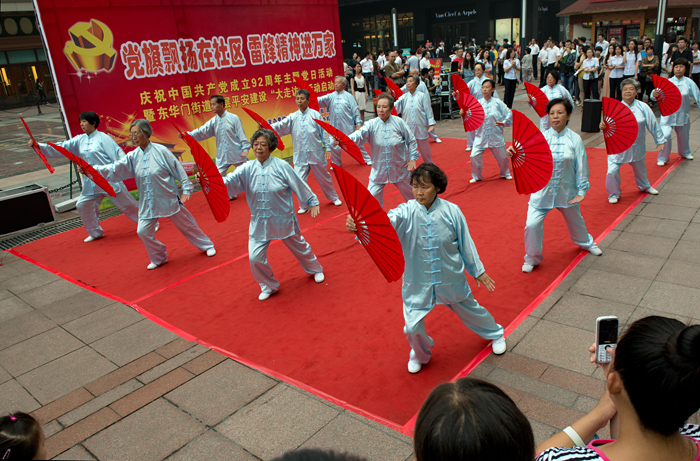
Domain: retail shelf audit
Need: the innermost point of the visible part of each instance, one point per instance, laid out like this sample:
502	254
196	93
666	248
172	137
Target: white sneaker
612	200
337	202
651	191
369	163
302	210
689	157
472	181
319	277
90	238
152	266
211	252
469	149
527	268
508	177
266	294
661	163
595	251
157	227
437	140
414	366
499	345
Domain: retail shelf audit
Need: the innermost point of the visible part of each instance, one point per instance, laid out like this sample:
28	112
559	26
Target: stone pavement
106	383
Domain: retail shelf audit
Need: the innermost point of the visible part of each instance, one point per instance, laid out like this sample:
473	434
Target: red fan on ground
377	93
90	172
532	161
36	148
458	84
344	142
313	101
621	127
263	123
670	99
473	111
209	178
374	230
393	87
538	100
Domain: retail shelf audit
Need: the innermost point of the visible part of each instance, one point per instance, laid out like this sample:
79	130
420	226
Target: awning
593	6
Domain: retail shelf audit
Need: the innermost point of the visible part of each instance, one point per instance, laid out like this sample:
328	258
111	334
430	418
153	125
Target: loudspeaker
24	207
592	110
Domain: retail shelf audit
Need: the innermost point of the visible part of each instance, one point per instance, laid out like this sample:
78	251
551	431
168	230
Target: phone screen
608	332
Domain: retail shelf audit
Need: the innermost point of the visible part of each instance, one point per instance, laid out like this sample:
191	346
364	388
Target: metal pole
395	26
660	26
523	17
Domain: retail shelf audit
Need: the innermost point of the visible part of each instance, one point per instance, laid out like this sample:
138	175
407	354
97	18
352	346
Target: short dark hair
554	73
682	38
219	99
472	419
432	173
269	135
489	81
388	97
20	435
90	117
682	62
425	71
306	93
479	64
567	105
317	454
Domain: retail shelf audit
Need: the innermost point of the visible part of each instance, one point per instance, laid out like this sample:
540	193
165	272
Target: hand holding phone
605	336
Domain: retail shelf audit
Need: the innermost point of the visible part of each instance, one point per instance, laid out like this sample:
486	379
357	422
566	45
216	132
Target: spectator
394	70
535	51
42	93
368	71
21	438
682	52
695	73
381	59
648	66
425	60
527	66
604	44
413	61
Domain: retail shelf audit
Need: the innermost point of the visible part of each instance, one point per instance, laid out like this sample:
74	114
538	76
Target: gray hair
269	135
631	81
306	94
143	125
340	77
388	97
415	78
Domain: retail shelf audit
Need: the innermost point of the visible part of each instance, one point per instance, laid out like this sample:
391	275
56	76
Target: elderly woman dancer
635	154
553	90
415	109
475	89
394	150
268	183
156	169
96	148
680	121
564	191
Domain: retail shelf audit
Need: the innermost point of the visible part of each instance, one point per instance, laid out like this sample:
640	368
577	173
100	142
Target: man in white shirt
367	68
602	43
535	52
413	61
381	60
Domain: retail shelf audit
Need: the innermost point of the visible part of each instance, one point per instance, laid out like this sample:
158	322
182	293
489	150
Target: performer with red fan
34	145
680	120
530	155
95	148
621	127
635	154
155	170
262	123
417	112
393	88
474	86
472	112
268	183
552	90
378	93
313	99
435	230
342	141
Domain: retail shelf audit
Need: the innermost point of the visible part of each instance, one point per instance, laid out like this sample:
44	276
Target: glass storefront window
21	56
376	32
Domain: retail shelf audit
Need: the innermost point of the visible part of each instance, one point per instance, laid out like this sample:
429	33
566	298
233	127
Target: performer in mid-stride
268	183
437	249
564	191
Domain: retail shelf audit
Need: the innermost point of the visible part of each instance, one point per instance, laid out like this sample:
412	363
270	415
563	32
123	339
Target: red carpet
341	339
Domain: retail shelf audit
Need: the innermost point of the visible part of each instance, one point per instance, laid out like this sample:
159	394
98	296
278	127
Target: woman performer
475	90
96	148
553	90
680	121
616	65
634	155
490	133
359	90
268	183
590	67
434	231
564	191
156	169
511	66
393	147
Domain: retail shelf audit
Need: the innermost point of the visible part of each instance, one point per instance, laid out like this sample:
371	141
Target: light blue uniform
437	250
309	141
345	116
554	92
155	170
680	120
475	89
416	111
636	154
231	141
268	187
423	89
569	179
392	145
490	136
97	148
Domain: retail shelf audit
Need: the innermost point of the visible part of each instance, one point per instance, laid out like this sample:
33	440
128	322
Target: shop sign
455	14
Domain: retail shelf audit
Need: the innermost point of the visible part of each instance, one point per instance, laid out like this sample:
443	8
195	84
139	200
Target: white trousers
323	177
499	153
470	138
338	160
612	179
185	223
473	316
534	231
262	272
424	149
682	138
433	134
89	209
377	190
223	169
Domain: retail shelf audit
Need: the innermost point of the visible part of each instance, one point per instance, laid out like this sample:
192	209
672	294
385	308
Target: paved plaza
107	383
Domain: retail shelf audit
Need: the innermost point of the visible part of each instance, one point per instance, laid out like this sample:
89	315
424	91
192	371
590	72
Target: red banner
128	60
436	64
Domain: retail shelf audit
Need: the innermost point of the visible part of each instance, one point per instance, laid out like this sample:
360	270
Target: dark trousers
509	91
589	85
535	64
615	91
545	71
696	79
369	79
647	88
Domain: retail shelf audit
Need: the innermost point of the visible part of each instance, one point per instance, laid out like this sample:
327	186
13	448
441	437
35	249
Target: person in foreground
471	419
636	154
21	438
156	169
652	390
437	249
268	183
564	191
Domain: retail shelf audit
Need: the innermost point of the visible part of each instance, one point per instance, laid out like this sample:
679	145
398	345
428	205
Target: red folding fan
458	84
621	127
35	146
90	172
344	142
670	98
377	93
538	100
395	90
313	101
374	230
532	161
473	111
209	178
263	123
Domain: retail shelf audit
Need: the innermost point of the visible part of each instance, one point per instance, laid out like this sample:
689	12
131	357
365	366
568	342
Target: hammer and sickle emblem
90	47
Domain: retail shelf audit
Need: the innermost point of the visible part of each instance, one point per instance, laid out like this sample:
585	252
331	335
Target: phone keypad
604	356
